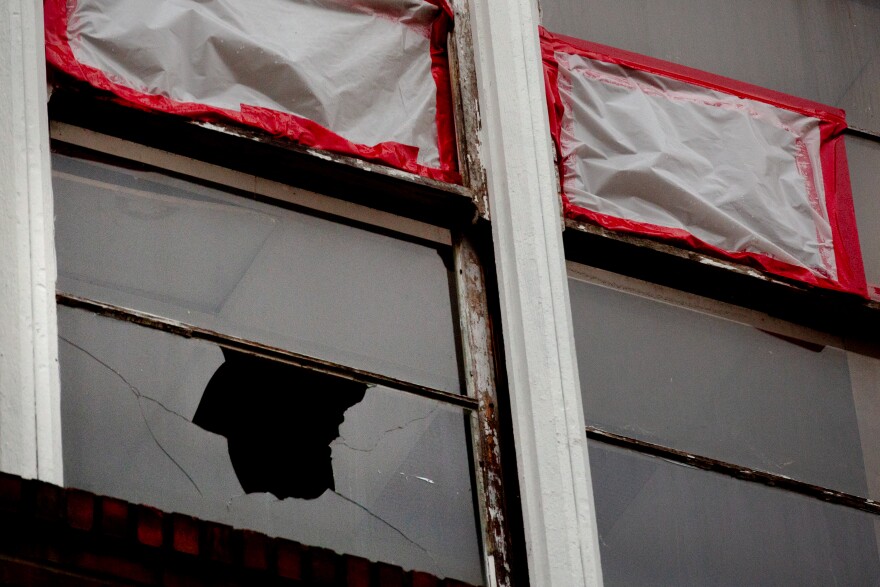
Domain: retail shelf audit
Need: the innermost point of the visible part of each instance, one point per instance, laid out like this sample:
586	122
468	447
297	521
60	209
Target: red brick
114	517
254	550
14	572
420	579
357	571
149	526
49	502
178	579
10	492
185	535
123	568
219	542
289	560
323	566
390	576
80	510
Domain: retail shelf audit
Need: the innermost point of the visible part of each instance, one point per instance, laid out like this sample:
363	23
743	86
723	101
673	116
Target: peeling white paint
30	422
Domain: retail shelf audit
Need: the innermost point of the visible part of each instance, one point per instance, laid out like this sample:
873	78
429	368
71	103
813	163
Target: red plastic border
282	124
832	122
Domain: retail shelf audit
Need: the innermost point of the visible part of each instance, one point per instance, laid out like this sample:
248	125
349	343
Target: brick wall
55	536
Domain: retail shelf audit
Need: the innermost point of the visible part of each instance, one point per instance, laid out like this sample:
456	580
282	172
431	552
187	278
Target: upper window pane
368	79
684	379
727	168
828	51
150	242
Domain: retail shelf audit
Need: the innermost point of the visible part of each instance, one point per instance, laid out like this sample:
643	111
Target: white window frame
30	408
553	465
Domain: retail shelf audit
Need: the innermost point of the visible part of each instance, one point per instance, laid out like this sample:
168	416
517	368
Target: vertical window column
553	466
30	436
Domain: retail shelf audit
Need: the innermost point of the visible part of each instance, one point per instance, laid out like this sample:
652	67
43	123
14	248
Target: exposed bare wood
480	379
676	251
862	133
464	90
261	137
258	349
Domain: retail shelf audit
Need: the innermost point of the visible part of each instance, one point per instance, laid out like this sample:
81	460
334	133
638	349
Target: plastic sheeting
367	78
743	173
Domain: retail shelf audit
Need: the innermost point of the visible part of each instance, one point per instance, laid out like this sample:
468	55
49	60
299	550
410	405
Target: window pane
173	248
662	523
828	51
863	156
697	383
177	423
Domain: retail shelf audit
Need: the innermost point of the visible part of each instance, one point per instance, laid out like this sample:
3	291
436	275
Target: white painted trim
548	420
30	419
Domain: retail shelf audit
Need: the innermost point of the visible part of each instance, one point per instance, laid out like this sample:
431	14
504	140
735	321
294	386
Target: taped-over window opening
746	174
368	79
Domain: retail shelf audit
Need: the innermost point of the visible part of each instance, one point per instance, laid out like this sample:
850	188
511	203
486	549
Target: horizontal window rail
261	350
737	471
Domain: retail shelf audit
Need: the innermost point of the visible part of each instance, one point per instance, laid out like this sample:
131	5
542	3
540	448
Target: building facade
510	396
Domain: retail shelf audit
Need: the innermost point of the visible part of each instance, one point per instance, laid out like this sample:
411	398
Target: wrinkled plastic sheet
747	174
367	78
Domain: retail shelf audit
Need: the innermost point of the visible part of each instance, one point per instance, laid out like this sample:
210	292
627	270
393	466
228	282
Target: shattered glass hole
279	421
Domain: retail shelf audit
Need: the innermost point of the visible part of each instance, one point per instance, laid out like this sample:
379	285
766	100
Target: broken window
815	49
262	366
652	148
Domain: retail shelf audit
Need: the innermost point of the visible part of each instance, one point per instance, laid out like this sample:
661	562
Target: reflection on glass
173	248
388	478
662	523
863	156
701	384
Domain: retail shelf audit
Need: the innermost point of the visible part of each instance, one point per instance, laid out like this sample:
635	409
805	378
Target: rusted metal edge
862	133
475	327
739	472
708	260
261	350
676	251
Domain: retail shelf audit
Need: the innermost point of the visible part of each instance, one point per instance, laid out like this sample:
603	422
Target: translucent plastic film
736	173
356	78
747	178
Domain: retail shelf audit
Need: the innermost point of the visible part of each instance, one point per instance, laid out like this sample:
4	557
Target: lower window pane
661	523
683	379
185	426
